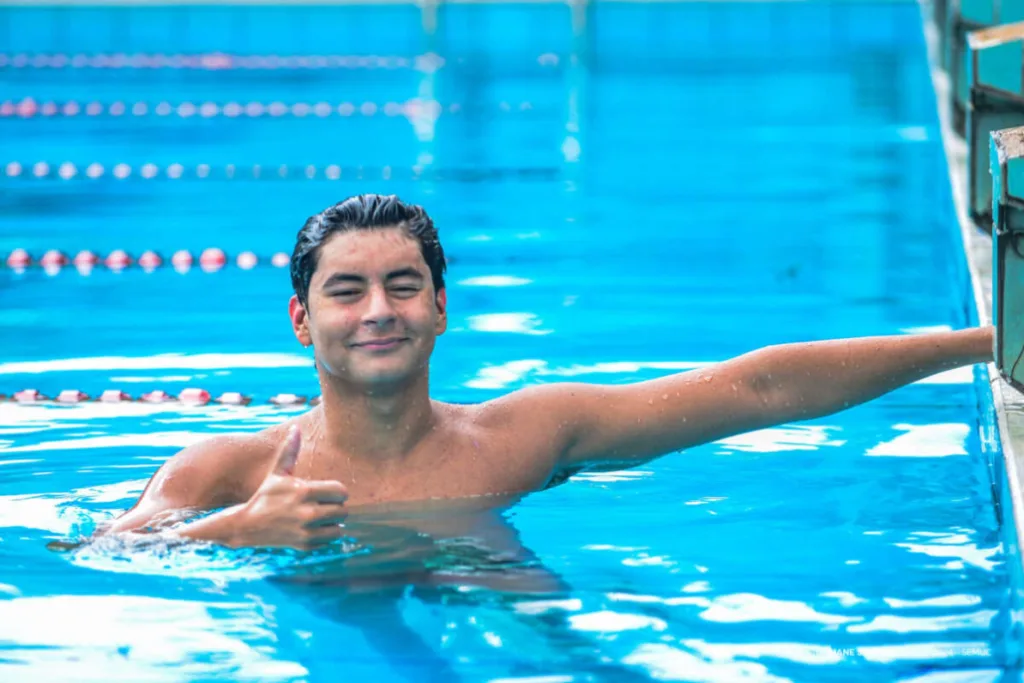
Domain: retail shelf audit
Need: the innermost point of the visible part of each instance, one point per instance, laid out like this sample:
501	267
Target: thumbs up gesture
290	512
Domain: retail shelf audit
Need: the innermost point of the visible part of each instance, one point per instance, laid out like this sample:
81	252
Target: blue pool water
668	186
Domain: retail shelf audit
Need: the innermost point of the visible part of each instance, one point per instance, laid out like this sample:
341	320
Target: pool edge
1008	404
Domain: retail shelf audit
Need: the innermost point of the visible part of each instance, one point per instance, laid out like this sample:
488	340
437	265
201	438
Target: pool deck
1008	402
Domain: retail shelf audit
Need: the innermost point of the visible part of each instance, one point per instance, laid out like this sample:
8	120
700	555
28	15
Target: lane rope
187	397
149	171
215	61
210	260
416	108
68	170
222	61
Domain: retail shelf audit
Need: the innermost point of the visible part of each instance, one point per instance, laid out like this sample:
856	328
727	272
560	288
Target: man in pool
370	299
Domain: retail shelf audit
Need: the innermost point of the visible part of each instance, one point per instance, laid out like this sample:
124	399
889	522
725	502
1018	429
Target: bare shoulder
218	471
214	473
539	416
533	404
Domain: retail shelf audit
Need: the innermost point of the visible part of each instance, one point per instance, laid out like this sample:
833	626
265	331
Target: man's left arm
770	386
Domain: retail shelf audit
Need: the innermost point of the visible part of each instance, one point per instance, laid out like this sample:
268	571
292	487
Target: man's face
372	312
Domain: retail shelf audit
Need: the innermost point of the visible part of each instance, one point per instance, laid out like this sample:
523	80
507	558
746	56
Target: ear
441	300
300	321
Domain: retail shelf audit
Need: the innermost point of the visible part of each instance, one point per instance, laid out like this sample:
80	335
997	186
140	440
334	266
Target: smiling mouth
388	343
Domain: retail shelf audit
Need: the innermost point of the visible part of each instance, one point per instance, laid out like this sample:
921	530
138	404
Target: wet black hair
364	212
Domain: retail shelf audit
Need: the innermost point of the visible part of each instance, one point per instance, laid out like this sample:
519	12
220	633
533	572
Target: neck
376	426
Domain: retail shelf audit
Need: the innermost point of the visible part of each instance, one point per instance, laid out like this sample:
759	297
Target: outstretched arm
770	386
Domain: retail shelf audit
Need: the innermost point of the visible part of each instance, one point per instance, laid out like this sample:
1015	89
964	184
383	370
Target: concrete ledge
1008	403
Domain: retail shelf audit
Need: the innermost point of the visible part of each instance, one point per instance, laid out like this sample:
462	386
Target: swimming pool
699	181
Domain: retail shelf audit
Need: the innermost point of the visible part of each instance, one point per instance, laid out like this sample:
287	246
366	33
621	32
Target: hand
290	512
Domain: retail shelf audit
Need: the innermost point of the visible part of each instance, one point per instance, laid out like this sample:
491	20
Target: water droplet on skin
650	401
664	397
707	378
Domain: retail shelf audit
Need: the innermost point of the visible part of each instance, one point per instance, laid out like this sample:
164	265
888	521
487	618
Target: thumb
288	453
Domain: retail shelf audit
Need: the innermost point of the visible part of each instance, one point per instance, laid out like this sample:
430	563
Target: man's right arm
269	507
219	472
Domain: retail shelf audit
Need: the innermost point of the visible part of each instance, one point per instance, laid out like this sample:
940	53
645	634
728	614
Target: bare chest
454	468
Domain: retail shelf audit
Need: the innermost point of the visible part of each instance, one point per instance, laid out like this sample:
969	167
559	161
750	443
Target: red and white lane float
182	260
192	396
53	258
210	260
19	259
86	258
150	261
217	61
28	396
413	108
118	260
71	396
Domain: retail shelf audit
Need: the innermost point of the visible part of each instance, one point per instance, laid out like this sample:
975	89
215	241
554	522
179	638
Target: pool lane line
209	260
415	108
215	61
187	397
149	171
222	61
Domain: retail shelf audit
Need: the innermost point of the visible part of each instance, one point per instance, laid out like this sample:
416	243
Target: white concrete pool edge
1008	403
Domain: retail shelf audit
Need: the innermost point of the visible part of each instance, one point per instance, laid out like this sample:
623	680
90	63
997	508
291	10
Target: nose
379	310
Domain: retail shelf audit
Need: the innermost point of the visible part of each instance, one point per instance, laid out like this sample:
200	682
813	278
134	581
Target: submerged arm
770	386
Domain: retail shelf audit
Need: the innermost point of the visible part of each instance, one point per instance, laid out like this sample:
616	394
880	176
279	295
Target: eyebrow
337	278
